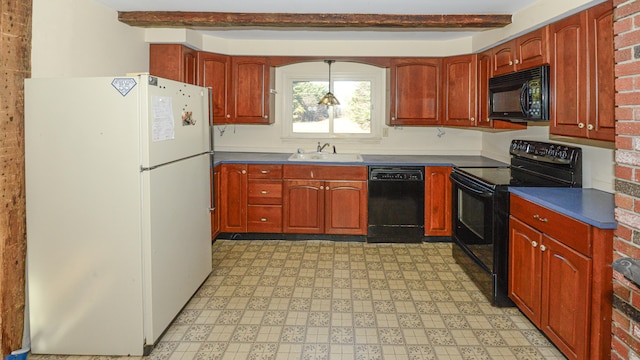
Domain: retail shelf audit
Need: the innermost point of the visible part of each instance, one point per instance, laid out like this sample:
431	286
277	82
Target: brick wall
626	313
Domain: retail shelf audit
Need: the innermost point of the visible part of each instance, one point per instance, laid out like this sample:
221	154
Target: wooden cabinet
241	87
325	199
174	62
582	78
437	201
215	212
264	198
233	202
459	90
214	71
415	92
559	276
524	52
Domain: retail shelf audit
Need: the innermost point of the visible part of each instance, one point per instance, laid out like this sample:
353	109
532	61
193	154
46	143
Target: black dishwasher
396	204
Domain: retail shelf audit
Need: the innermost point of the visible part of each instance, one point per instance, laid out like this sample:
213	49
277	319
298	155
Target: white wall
84	38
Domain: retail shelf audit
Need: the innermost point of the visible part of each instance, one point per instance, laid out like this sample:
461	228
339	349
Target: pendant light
329	99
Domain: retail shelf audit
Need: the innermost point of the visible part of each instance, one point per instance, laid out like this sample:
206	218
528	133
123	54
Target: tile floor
342	300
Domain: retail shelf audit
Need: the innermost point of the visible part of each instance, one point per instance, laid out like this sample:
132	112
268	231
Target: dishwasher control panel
396	173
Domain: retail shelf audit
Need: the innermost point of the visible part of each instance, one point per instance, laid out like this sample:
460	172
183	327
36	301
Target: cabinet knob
517	61
590	127
327	188
543	248
393	118
534	243
581	125
263	219
244	172
321	187
472	119
510	62
228	116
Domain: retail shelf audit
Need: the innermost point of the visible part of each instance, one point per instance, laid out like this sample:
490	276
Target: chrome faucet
320	148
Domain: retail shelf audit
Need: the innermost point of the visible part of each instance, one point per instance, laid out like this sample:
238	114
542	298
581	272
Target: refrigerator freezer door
84	255
176	239
175	120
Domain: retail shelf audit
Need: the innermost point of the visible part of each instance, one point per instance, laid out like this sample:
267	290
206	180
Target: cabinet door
234	198
346	207
601	121
484	74
568	76
415	96
566	295
303	206
215	213
531	49
504	56
437	201
250	89
459	90
525	268
214	71
173	61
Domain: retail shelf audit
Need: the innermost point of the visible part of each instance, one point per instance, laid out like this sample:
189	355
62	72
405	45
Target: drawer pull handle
264	219
264	171
264	192
534	243
543	248
537	217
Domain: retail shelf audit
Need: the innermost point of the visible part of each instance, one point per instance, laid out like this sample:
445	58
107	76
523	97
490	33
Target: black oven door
472	208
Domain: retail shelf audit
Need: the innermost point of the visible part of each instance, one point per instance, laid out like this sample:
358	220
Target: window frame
340	71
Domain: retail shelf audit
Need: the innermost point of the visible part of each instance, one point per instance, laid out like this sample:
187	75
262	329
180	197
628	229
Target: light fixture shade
329	99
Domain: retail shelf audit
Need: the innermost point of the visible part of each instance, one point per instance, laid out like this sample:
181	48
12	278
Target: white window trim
319	71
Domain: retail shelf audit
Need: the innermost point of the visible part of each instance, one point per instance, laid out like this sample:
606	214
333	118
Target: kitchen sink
325	157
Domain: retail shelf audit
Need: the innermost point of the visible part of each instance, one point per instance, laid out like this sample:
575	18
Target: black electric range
480	207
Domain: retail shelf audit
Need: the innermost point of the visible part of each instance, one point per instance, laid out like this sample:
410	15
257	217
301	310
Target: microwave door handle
524	99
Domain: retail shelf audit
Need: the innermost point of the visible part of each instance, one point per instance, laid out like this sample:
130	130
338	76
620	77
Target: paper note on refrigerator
163	125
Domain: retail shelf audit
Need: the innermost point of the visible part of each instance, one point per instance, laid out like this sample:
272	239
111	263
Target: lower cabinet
437	201
558	278
313	203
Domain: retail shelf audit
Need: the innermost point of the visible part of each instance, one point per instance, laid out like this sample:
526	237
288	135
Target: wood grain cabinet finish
251	84
174	62
524	52
582	78
437	201
214	72
215	213
459	90
325	199
415	92
560	278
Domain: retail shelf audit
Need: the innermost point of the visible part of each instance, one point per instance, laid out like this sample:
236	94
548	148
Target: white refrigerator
118	197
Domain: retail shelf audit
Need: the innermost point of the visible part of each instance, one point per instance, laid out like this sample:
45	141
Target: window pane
353	115
308	116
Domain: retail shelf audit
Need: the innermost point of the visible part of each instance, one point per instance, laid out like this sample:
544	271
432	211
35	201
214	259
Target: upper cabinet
415	92
526	51
459	90
173	61
582	74
240	85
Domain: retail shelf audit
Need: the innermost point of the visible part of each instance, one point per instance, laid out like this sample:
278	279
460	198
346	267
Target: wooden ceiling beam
298	20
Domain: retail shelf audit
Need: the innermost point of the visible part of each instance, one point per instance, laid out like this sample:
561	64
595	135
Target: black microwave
520	96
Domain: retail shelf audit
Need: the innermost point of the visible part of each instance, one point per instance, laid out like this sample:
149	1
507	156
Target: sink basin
325	157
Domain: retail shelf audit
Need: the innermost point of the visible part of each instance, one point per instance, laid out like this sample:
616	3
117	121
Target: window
358	87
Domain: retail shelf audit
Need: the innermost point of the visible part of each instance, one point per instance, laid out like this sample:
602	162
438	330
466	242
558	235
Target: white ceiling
424	7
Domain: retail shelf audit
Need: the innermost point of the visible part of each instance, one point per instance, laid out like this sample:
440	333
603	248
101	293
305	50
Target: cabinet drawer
569	231
265	171
326	172
263	192
267	219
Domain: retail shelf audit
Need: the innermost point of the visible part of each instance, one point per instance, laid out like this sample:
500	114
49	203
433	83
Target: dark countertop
591	206
224	157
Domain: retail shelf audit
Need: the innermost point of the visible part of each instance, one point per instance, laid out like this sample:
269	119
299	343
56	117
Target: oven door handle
469	187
